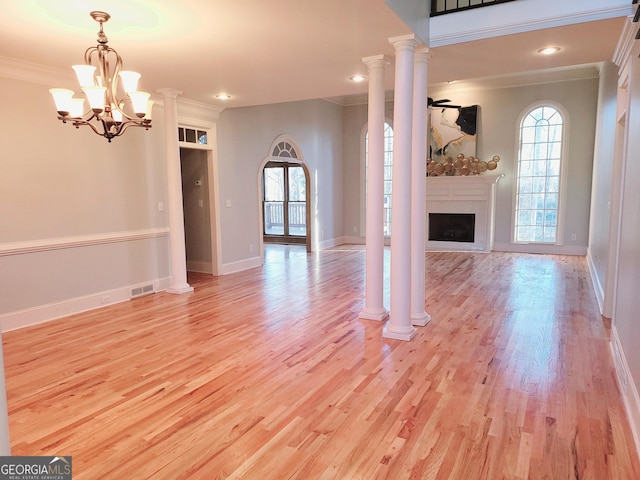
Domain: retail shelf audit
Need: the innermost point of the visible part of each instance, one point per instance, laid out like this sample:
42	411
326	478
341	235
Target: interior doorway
199	212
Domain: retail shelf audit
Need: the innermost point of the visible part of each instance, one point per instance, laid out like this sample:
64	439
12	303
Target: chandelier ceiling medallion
99	82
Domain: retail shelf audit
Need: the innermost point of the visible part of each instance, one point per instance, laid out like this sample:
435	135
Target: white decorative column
399	326
174	178
374	281
5	445
418	188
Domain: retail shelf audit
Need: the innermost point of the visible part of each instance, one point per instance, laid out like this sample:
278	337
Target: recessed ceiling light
223	96
549	50
358	78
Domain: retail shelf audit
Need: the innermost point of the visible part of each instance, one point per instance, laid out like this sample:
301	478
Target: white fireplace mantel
464	194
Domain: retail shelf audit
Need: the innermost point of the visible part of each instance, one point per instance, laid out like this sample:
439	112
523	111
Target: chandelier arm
146	124
112	87
88	53
127	116
79	120
80	123
116	78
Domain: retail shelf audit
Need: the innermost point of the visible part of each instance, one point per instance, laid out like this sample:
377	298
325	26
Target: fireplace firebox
452	227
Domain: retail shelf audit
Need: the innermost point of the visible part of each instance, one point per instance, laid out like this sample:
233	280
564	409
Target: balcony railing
274	218
440	7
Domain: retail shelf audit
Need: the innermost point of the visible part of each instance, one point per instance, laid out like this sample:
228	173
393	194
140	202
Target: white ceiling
271	51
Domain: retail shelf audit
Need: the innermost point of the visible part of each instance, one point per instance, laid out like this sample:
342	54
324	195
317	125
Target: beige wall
62	186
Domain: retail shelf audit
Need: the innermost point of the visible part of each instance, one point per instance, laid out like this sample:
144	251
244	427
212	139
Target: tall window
388	164
284	204
538	176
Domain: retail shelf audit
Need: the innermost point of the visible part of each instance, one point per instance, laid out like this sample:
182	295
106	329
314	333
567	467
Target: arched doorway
285	196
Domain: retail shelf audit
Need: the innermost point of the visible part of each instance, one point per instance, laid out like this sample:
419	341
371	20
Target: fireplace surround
464	197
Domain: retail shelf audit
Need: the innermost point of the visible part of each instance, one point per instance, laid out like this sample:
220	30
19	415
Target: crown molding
625	42
553	75
34	73
197	113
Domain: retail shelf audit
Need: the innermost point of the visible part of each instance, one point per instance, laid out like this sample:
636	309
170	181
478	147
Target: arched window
388	164
538	176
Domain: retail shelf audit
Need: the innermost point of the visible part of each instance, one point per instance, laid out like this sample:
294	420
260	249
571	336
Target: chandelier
99	82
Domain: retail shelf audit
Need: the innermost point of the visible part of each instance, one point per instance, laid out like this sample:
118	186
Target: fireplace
452	227
460	212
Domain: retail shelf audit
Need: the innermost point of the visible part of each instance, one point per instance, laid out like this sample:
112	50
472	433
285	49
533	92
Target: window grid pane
388	164
538	182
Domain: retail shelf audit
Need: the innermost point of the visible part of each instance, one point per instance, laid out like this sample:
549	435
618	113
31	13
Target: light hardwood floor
269	374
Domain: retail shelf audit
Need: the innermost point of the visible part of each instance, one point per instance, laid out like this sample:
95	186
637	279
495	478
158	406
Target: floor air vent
142	290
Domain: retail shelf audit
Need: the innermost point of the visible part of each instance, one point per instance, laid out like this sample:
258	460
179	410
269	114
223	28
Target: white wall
244	138
78	215
625	318
354	120
598	253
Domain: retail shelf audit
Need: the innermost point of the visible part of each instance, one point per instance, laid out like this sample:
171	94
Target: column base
378	314
180	289
405	334
420	319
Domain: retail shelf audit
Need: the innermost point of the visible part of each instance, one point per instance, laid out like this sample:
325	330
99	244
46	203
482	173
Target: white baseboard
199	267
353	240
595	281
627	387
332	242
241	265
43	313
540	249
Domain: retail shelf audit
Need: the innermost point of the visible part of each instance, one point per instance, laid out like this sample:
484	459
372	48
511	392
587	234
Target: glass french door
284	203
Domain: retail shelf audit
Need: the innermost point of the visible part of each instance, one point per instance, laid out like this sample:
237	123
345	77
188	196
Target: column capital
169	92
422	54
376	61
411	40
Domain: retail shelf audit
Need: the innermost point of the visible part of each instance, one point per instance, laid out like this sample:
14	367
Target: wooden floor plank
270	374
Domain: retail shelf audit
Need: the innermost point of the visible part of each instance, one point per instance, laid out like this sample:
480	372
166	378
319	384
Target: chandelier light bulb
116	113
85	74
129	80
62	97
76	109
139	101
96	97
149	110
